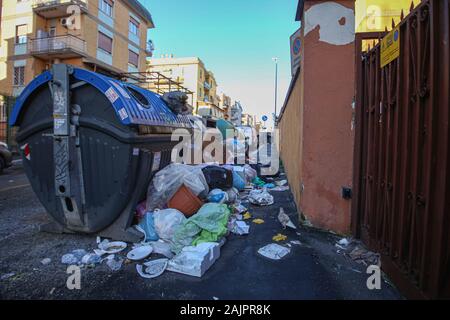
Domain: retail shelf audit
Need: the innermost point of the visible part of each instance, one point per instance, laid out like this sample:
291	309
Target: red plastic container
185	201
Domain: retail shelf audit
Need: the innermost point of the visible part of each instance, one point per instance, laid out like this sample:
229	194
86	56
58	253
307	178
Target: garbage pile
188	212
356	251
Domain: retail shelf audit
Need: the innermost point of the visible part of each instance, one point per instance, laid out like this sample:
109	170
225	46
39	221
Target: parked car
5	157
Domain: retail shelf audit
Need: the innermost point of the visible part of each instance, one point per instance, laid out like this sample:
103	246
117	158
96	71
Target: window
134	26
3	112
19	76
106	6
133	58
105	42
21	34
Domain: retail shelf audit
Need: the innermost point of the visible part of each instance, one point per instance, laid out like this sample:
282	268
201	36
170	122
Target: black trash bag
265	178
177	102
218	177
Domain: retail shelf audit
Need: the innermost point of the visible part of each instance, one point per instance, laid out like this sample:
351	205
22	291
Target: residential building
192	74
107	36
258	126
236	114
248	120
225	105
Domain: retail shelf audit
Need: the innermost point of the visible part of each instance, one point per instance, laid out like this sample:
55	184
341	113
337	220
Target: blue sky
236	39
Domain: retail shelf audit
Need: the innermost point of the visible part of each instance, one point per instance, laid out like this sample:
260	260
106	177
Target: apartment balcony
206	102
207	85
67	46
51	9
208	109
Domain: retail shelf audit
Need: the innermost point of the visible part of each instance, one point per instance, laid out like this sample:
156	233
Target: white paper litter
152	269
240	228
240	209
274	251
344	242
280	188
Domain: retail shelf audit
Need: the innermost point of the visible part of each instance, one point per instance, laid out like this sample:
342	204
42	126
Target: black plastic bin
90	145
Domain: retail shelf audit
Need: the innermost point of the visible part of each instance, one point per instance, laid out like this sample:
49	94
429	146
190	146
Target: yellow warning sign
390	47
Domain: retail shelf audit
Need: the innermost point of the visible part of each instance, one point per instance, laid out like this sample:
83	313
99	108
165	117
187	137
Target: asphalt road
13	178
313	270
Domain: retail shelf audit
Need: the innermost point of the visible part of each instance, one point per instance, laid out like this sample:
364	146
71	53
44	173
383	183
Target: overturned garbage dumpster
88	144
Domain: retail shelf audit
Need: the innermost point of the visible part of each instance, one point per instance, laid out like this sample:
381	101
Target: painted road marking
15	187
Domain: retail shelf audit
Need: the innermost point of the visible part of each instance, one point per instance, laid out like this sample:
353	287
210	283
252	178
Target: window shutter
105	42
133	58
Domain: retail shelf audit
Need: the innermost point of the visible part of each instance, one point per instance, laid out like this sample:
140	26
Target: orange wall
291	129
316	127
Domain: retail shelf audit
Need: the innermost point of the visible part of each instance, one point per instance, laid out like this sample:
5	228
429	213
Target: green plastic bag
208	225
258	182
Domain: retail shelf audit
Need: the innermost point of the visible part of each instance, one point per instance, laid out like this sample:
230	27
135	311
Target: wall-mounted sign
390	47
296	44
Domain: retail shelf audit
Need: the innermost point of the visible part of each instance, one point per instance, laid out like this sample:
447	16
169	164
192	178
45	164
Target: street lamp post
275	59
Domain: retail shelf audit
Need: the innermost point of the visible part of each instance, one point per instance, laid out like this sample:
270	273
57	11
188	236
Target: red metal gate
402	154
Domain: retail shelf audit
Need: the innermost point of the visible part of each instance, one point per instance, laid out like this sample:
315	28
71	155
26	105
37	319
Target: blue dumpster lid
122	97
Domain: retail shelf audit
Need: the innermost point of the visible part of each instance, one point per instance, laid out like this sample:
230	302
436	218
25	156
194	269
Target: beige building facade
225	105
106	36
248	120
192	74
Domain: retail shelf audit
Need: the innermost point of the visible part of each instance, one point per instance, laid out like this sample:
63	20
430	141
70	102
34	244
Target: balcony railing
207	85
56	8
49	3
67	45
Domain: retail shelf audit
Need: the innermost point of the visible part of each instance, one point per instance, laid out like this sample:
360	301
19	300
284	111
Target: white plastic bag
260	197
166	222
232	195
250	173
166	183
